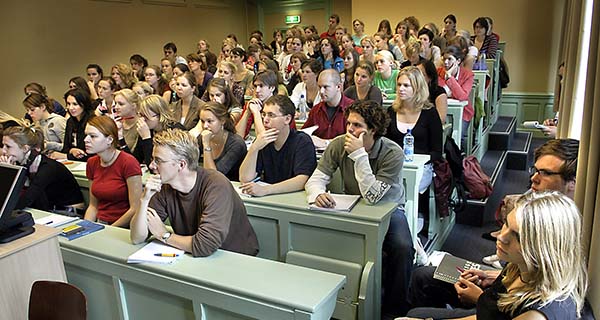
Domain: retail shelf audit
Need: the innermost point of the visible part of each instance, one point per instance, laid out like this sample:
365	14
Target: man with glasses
554	169
280	157
206	213
328	114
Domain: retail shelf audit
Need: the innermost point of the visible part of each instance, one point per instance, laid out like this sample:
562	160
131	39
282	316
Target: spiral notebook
451	267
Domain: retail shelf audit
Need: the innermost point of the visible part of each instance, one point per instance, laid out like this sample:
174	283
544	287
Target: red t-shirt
109	185
328	129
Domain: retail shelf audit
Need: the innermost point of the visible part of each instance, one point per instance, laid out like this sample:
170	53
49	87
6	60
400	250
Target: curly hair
374	115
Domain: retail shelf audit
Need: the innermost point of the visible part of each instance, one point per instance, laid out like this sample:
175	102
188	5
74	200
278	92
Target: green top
387	86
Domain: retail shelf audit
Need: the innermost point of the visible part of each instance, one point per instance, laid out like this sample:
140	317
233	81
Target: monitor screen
11	184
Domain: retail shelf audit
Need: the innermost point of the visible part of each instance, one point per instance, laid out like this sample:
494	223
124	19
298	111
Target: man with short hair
206	213
333	22
170	51
280	156
329	113
371	166
554	169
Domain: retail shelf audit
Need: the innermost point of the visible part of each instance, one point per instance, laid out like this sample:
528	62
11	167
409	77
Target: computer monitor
11	185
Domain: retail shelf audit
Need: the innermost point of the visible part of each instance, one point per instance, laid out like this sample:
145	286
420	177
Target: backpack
448	179
503	75
476	181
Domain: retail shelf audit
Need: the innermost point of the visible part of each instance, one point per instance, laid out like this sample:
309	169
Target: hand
153	185
7	159
255	106
119	127
255	189
264	138
549	123
77	153
57	155
325	200
468	292
155	224
452	71
173	84
353	143
550	131
142	128
206	136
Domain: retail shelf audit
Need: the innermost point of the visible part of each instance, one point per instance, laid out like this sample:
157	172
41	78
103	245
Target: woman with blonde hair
412	111
123	75
154	117
142	89
413	53
368	47
115	177
126	111
221	148
226	71
386	74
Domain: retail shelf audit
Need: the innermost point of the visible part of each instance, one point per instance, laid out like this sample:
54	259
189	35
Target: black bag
503	74
454	159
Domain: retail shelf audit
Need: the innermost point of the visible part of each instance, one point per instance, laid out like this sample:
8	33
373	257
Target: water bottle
409	147
302	108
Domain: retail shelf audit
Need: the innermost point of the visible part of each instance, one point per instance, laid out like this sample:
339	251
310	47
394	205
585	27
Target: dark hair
430	71
171	46
36	87
356	58
311	28
315	66
335	48
220	84
286	106
429	34
268	78
197	58
111	81
183	67
34	100
451	17
272	65
375	116
455	51
232	36
222	113
97	67
413	21
82	98
81	83
107	127
366	65
139	59
190	78
564	149
240	53
483	22
336	17
385	23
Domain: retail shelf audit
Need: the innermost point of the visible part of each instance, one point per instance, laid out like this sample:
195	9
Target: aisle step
501	134
518	156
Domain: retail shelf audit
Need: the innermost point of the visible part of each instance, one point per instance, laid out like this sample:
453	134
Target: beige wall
530	28
52	41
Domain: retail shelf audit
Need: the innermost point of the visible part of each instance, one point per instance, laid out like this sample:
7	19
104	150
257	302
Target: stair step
518	156
501	133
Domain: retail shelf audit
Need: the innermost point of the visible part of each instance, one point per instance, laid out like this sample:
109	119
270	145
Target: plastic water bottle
302	108
409	147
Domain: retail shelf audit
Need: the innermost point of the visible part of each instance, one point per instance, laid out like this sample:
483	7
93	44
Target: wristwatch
166	236
207	149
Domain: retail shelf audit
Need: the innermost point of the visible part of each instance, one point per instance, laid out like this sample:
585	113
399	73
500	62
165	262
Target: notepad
450	268
343	202
55	220
309	131
88	227
147	254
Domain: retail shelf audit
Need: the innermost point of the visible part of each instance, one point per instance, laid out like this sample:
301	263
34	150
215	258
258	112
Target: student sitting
371	166
206	213
80	108
187	109
386	74
282	157
222	149
41	111
329	113
115	176
363	88
50	185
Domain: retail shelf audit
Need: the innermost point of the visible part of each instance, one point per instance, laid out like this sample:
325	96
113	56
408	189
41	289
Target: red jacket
460	88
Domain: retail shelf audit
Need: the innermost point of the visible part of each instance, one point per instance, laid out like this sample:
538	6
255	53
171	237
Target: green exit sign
292	19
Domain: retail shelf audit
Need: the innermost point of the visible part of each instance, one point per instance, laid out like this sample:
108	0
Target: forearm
258	123
316	185
139	223
248	166
91	213
290	185
207	160
181	242
240	127
125	219
371	189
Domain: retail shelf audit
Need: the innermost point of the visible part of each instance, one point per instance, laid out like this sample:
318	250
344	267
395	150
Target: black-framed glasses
542	172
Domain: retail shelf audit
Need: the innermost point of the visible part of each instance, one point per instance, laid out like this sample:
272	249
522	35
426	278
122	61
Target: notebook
55	220
343	202
147	254
451	267
88	227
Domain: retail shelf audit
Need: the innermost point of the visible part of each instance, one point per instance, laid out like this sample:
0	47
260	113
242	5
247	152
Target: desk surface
41	234
301	288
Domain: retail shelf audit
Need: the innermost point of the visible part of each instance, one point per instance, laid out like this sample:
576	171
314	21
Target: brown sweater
212	212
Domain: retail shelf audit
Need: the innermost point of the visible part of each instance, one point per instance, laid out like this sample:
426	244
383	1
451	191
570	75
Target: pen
257	179
461	270
49	222
166	255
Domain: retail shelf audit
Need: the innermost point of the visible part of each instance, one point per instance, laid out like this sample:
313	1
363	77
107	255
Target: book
55	220
451	267
151	253
88	227
343	202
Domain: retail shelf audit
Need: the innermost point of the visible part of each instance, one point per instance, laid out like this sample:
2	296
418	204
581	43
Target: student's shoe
422	257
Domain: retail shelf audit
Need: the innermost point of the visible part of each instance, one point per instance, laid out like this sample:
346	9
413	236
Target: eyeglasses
270	115
542	172
158	161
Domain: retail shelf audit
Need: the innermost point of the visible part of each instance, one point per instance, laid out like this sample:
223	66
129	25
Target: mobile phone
73	229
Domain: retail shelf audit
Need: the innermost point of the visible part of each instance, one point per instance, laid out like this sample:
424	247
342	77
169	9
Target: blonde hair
126	73
182	144
420	99
130	96
550	237
368	39
145	86
25	133
157	105
413	47
387	56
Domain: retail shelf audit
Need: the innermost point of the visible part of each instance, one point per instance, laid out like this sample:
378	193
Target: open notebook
151	253
451	267
343	202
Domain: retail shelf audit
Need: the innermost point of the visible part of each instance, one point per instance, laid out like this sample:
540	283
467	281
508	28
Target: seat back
56	300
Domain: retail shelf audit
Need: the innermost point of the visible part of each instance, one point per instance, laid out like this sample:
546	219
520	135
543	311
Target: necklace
108	163
221	140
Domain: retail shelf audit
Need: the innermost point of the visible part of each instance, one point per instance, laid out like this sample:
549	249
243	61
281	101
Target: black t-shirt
297	156
427	132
